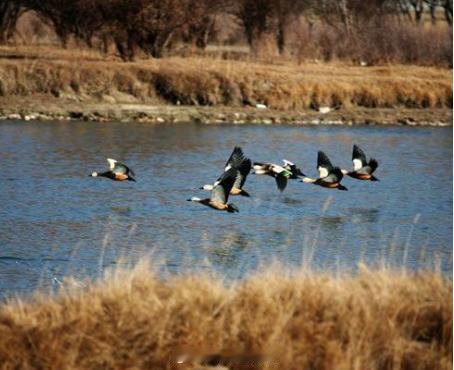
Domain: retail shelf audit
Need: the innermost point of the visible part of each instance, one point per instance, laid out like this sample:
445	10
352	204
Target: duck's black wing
334	176
281	181
242	173
324	165
223	185
235	159
370	167
358	158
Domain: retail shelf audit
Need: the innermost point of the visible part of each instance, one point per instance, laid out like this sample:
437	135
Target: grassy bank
203	81
379	319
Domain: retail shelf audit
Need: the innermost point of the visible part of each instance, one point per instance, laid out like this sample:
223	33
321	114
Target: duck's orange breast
361	176
120	176
235	191
330	184
218	205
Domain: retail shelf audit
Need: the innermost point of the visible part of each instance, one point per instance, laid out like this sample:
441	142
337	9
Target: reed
378	319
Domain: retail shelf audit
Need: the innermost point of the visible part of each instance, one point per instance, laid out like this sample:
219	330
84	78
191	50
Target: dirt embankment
214	90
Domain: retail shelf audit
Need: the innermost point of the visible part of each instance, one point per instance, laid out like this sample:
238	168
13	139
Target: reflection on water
364	215
56	221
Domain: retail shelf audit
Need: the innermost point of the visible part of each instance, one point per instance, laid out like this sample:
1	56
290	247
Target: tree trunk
433	18
418	8
9	13
448	11
345	16
280	36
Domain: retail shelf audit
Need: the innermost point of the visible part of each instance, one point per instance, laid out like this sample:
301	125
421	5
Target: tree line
154	26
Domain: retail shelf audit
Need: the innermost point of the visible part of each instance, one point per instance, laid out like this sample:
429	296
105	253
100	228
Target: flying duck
295	171
220	193
118	171
329	176
362	170
242	165
280	174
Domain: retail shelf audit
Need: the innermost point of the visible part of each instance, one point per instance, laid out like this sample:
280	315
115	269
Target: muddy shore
54	109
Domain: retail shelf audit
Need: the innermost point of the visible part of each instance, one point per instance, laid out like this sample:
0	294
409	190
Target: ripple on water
64	222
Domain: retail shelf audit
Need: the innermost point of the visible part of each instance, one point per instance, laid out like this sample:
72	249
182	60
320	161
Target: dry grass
379	319
208	81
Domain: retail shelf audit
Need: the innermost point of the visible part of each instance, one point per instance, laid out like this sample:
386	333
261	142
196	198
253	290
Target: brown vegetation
373	31
207	82
379	319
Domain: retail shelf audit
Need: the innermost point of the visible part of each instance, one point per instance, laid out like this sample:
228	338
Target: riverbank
54	109
52	84
379	319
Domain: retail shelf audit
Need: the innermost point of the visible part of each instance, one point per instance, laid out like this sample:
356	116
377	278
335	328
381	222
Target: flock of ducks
238	167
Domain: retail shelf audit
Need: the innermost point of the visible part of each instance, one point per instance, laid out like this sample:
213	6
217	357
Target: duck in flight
280	173
118	171
242	165
220	193
295	171
329	176
362	169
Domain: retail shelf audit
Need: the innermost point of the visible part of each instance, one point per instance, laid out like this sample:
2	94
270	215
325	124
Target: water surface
57	221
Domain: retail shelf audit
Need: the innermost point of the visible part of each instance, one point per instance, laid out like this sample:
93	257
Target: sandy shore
51	109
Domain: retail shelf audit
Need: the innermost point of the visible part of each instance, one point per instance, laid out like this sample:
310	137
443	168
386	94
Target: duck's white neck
208	187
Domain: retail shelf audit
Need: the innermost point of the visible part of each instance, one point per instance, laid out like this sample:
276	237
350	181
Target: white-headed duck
242	165
329	176
362	169
118	171
220	193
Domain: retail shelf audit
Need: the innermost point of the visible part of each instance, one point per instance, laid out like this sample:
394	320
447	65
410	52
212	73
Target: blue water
56	221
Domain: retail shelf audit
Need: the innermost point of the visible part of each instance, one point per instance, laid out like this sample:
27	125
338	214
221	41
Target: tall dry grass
208	81
378	319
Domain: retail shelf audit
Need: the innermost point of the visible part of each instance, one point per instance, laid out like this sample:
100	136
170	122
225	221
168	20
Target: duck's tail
244	193
342	187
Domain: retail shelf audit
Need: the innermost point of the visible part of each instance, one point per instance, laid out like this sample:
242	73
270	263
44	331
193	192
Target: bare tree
447	5
9	13
201	18
418	8
286	12
256	17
